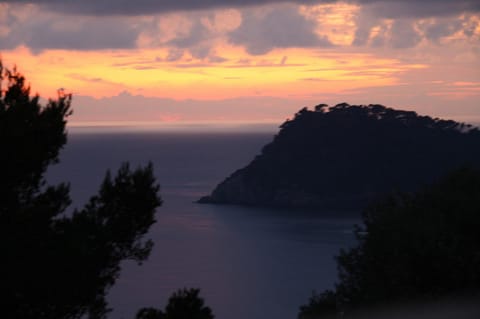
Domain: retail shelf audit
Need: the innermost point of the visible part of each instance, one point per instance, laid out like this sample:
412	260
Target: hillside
345	155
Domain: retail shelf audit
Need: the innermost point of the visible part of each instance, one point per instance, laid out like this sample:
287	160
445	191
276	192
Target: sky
245	61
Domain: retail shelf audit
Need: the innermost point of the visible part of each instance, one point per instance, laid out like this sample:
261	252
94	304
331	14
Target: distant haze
187	127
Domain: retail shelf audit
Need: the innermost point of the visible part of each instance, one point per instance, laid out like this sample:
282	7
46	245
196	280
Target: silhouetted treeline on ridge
344	156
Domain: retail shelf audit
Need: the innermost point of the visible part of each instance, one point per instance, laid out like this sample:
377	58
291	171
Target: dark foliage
322	305
344	156
150	313
58	265
412	247
183	304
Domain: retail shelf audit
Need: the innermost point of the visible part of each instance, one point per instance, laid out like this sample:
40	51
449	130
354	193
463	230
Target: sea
249	263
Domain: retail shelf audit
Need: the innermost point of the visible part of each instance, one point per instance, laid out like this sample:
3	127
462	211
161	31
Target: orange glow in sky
258	55
292	72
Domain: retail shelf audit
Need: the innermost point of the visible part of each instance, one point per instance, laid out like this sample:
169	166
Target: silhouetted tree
56	264
321	107
412	247
322	306
183	304
150	313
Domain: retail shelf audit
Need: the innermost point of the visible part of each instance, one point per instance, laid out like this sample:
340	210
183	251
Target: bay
248	262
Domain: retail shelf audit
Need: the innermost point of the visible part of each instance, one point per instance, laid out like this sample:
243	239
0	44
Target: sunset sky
252	61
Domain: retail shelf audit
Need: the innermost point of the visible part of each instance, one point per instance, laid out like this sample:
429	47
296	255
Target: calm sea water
249	263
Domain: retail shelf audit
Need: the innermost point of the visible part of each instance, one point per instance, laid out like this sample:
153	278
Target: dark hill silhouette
344	156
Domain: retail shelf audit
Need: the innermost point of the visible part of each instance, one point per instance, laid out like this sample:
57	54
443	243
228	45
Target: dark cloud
404	35
174	55
216	59
201	51
281	27
197	41
83	78
392	9
192	65
43	32
401	35
470	27
147	7
441	29
195	36
384	8
379	39
364	23
406	31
